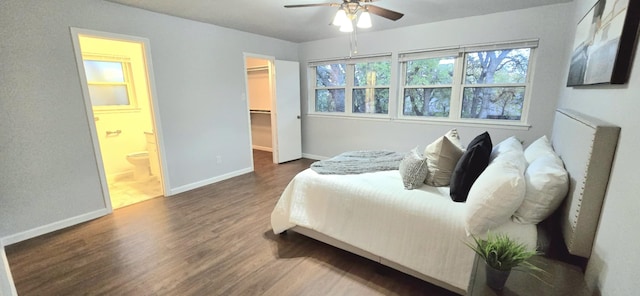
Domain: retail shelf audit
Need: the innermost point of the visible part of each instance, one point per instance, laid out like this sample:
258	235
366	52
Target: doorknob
298	116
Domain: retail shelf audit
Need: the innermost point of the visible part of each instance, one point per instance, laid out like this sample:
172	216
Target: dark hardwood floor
214	240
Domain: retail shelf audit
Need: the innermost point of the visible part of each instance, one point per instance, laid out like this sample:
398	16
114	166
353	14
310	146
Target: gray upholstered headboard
586	146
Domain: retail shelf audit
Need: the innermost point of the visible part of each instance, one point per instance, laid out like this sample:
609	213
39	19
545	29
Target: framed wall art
605	42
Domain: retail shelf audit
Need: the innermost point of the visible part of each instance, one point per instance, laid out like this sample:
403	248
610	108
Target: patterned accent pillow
413	169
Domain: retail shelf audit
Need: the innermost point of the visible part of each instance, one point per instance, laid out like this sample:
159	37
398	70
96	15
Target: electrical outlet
219	159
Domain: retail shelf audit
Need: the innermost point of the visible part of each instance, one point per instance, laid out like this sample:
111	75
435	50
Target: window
427	86
109	83
474	84
330	87
477	83
354	86
371	87
494	84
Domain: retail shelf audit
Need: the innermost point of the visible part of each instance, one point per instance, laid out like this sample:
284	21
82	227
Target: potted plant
501	254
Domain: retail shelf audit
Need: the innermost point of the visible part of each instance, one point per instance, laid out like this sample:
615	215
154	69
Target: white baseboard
31	233
313	156
262	148
7	288
198	184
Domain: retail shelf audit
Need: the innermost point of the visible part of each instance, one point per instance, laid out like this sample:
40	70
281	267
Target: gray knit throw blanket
358	162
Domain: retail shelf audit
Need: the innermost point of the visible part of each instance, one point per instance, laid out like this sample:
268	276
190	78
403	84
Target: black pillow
470	166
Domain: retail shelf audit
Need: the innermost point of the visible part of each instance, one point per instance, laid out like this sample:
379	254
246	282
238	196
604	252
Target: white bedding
421	229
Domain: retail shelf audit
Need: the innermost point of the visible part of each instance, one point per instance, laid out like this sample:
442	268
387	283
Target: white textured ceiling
270	18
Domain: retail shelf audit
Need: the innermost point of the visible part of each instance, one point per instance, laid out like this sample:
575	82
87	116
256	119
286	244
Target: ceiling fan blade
311	5
383	12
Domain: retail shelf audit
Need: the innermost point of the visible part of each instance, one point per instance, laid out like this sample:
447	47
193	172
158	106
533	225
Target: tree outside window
330	87
360	86
427	90
494	86
491	84
371	87
473	84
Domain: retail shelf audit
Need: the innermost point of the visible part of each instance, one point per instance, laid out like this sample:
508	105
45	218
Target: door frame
75	32
274	131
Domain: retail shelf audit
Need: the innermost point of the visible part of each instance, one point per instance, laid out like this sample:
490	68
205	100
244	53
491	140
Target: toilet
140	161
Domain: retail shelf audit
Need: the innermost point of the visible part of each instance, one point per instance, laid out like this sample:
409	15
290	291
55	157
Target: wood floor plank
213	240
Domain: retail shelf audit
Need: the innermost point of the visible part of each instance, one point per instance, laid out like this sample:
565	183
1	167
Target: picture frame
605	43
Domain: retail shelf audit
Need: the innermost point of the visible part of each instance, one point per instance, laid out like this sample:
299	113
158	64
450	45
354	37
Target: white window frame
128	82
349	86
458	85
403	58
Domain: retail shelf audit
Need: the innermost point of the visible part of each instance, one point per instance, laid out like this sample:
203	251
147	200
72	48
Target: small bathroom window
110	84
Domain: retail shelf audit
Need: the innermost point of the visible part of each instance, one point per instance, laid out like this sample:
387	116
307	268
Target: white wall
49	171
324	136
48	168
613	268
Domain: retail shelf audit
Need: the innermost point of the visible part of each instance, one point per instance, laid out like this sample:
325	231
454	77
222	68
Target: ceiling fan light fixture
364	21
341	18
347	27
354	13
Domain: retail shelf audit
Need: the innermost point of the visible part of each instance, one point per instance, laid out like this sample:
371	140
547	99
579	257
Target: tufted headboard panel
586	146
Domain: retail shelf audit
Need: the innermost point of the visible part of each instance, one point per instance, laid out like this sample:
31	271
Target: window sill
448	122
471	123
352	117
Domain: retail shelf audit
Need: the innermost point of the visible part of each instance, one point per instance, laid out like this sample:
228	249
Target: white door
286	120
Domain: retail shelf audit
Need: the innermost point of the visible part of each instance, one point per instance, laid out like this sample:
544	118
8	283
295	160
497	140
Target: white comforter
421	229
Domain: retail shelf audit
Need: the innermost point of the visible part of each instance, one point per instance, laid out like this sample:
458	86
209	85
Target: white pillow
508	144
442	156
547	185
494	197
413	169
538	148
515	158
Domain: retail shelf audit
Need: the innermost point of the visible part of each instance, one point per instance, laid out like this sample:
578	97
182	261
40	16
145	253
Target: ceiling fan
348	12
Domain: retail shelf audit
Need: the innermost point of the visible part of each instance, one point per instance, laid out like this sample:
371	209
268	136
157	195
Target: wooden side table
560	279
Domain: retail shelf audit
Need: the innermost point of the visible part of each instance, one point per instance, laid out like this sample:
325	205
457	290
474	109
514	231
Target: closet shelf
255	111
259	68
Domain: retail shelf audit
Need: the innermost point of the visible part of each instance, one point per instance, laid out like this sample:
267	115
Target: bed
422	232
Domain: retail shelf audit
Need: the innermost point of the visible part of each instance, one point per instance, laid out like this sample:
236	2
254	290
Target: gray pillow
413	169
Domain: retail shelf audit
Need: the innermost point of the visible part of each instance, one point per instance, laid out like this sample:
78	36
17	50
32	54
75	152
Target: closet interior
260	96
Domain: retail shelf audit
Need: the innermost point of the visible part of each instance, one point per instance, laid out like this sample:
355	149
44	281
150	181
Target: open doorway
260	101
273	94
120	108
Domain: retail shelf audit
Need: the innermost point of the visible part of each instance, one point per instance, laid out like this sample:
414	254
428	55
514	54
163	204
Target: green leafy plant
503	253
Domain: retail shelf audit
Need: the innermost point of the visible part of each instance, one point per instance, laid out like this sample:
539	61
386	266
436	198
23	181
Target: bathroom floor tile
128	192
